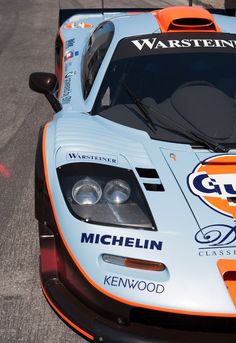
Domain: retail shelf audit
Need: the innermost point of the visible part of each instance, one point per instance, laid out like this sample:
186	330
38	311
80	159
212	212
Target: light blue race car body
172	247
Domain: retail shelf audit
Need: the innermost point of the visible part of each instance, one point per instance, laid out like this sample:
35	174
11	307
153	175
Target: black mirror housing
44	83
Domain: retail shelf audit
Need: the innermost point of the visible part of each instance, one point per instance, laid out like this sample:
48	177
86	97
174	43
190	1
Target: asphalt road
27	33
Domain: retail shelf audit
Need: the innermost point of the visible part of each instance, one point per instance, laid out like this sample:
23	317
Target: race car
135	179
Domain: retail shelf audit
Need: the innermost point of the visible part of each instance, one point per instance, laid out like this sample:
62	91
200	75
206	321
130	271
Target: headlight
104	195
86	192
117	191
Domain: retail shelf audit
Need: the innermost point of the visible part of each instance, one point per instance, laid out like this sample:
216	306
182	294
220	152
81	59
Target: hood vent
185	19
187	23
147	173
153	185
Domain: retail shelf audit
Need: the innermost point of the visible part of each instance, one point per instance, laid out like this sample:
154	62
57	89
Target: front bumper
97	329
101	319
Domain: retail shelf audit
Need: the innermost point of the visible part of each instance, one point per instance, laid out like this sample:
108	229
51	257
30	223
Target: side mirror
45	83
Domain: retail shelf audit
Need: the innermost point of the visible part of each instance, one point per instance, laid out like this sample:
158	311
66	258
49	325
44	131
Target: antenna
103	6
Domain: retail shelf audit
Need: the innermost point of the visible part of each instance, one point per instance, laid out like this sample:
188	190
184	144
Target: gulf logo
214	182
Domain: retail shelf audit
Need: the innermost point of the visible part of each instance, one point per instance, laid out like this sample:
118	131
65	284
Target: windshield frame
167	43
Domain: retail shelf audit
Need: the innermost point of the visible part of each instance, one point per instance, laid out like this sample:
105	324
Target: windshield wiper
148	120
212	145
170	125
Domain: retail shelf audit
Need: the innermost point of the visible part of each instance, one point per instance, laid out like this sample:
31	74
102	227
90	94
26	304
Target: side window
95	52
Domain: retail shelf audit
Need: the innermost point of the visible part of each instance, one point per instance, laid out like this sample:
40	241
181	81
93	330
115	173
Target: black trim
141	334
39	179
70	173
43	208
154	187
147	173
58	60
182	322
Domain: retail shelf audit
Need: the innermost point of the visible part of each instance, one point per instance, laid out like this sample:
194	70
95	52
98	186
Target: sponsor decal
138	285
67	87
67	65
76	25
217	253
216	235
173	157
91	238
70	74
70	43
66	97
68	55
154	43
84	25
217	240
66	100
214	182
91	157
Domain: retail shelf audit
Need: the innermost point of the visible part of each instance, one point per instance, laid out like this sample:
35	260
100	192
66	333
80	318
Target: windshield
192	81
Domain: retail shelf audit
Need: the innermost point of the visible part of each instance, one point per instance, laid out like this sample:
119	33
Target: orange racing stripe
227	269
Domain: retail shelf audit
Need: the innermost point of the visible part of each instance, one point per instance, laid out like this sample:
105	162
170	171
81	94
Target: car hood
193	232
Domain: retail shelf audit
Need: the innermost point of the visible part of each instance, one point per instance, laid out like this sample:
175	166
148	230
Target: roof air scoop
185	19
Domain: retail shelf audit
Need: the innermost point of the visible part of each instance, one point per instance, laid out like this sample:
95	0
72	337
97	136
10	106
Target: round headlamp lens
117	191
86	192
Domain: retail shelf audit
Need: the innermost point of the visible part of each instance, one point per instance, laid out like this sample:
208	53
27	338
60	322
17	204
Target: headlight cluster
86	192
104	195
89	192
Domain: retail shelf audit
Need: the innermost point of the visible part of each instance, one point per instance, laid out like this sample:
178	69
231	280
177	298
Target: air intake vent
196	24
153	185
188	19
147	173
